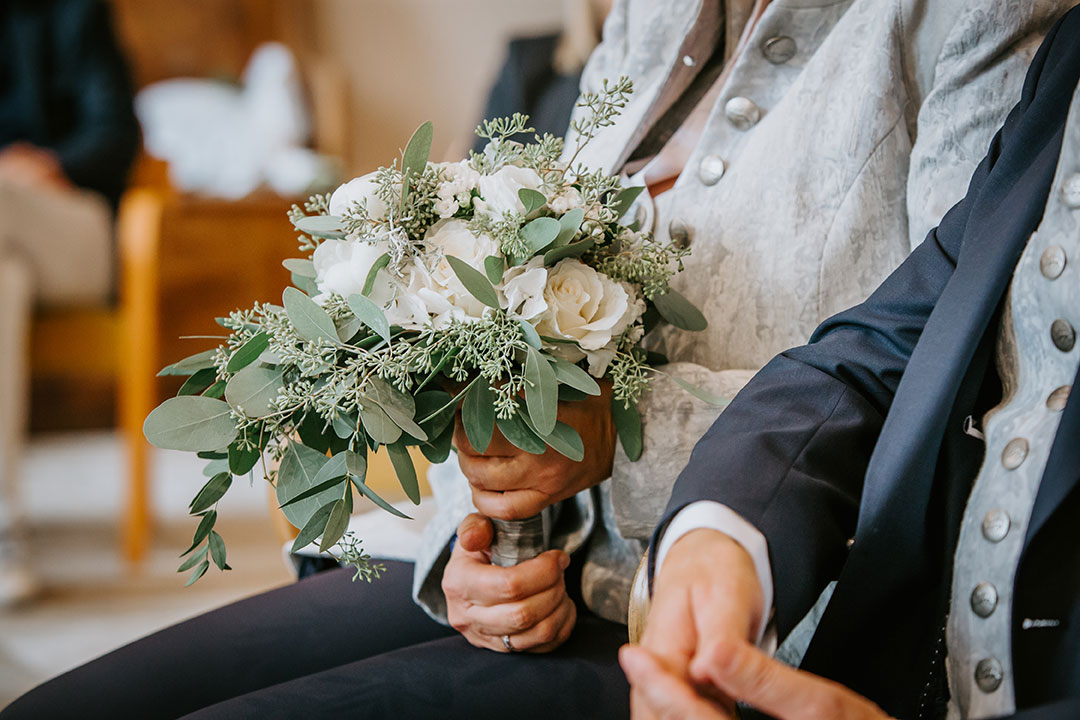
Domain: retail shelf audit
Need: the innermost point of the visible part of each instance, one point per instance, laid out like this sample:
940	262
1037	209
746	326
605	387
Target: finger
475	533
743	672
517	617
661	692
484	584
511	505
551	632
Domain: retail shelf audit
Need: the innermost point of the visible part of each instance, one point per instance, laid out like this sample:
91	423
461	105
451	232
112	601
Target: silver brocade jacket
864	121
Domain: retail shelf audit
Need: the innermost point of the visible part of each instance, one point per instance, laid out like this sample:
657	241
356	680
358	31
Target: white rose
522	289
567	199
453	237
585	306
342	267
500	190
361	190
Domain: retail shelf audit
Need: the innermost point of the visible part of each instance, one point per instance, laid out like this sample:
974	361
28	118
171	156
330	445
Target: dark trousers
326	647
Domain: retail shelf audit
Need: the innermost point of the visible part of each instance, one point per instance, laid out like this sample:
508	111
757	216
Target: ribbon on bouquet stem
519	540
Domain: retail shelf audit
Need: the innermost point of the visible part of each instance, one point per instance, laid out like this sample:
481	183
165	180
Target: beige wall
407	61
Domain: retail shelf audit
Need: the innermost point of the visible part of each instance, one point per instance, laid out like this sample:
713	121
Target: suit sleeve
790	452
99	153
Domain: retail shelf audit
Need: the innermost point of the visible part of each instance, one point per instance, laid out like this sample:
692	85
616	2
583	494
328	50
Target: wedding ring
507	645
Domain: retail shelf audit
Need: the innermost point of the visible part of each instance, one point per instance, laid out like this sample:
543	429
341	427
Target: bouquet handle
520	540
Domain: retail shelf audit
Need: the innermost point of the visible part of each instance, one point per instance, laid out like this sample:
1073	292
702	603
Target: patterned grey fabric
1036	369
866	136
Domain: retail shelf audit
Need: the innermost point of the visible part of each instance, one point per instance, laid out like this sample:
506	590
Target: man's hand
707	594
743	672
527	602
510	484
33	167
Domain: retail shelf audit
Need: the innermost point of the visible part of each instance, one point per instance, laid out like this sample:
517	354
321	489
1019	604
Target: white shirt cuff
714	516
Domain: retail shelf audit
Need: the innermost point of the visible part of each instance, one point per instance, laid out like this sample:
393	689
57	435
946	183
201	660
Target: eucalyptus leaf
248	353
199	382
194	559
199	572
565	440
570	374
326	226
415	157
345	425
371	315
628	426
430	401
212	455
478	415
335	468
537	234
356	464
700	393
520	436
541	392
311	321
253	390
314	527
532	339
451	402
399	406
625	199
573	250
371	495
369	282
569	224
349	327
319	488
214	489
533	200
300	266
438	450
217	550
312	431
494	267
474	281
206	524
300	465
191	423
570	394
405	470
242	460
679	311
215	467
378	424
190	365
215	391
336	526
305	284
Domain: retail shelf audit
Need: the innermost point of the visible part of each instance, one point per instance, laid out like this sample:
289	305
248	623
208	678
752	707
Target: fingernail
564	561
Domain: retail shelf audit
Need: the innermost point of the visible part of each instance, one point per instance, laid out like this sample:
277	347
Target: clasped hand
697	656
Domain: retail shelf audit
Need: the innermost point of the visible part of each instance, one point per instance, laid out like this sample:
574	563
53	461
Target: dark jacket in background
860	434
64	86
529	84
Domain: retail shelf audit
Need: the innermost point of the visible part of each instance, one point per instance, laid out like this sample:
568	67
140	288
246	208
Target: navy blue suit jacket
859	434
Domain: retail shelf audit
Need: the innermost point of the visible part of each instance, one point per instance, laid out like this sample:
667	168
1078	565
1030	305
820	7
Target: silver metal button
995	525
680	234
778	49
1052	262
984	599
711	169
1070	191
1057	399
742	112
1063	335
988	674
1014	453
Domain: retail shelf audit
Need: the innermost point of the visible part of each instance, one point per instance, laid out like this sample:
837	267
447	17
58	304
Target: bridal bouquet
500	285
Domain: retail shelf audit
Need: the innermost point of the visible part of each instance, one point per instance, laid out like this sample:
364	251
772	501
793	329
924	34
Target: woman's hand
527	603
510	484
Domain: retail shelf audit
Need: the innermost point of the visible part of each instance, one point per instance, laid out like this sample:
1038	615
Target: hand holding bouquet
500	285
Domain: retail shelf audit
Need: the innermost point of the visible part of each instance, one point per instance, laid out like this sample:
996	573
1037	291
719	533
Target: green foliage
628	426
478	415
679	311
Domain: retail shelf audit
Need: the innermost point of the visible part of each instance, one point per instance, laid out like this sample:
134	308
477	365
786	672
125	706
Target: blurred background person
541	74
68	137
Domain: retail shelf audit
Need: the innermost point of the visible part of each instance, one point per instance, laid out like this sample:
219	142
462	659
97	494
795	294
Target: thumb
475	533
